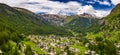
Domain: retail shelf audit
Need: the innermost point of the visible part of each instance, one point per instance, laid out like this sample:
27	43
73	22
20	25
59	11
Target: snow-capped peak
73	11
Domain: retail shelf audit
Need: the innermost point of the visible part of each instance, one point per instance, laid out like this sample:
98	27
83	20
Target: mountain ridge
26	23
112	21
25	33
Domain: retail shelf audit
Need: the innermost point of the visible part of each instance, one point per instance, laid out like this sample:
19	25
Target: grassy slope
112	21
80	25
109	34
27	24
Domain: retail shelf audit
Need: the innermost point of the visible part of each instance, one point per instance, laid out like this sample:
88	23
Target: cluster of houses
54	45
117	48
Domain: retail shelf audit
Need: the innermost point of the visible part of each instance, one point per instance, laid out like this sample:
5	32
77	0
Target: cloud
55	7
90	2
115	2
104	3
102	13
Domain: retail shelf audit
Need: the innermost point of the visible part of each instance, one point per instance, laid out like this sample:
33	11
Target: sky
99	8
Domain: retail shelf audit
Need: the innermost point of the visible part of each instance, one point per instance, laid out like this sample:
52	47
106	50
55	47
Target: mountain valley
23	32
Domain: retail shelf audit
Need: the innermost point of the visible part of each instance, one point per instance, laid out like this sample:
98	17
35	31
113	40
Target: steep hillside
9	38
108	38
93	36
75	23
8	33
80	24
112	21
26	23
54	19
60	20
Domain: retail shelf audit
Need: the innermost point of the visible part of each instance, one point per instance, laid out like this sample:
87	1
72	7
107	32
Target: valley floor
56	45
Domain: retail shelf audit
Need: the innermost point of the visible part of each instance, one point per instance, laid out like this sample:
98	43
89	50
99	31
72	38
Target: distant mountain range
68	11
61	19
21	31
28	22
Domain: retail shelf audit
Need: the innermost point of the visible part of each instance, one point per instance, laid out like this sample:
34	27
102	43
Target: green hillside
103	35
25	33
81	25
16	25
108	38
112	21
26	23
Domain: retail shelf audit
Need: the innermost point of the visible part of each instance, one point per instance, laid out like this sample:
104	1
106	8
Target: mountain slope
8	33
84	25
60	20
54	19
81	25
112	21
109	35
27	23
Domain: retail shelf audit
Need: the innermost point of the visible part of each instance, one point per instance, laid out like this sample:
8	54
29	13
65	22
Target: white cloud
102	13
115	2
90	2
51	7
104	3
